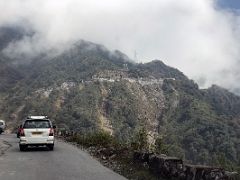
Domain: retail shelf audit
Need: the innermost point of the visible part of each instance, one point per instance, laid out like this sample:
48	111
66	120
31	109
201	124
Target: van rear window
1	123
31	124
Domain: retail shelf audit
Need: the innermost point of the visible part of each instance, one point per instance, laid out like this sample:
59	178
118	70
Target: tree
160	146
140	141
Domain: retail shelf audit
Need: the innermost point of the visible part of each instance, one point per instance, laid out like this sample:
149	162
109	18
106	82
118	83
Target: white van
36	131
2	126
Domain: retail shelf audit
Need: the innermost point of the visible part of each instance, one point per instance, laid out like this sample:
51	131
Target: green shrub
160	146
140	141
100	138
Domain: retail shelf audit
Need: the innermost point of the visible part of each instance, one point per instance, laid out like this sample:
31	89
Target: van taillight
51	132
22	132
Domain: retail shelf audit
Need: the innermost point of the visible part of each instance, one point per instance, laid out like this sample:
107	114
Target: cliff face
88	88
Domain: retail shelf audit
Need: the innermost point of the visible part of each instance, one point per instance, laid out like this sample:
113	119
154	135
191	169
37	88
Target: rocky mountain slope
88	88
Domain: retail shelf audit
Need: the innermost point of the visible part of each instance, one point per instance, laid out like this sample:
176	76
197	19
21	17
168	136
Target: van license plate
36	133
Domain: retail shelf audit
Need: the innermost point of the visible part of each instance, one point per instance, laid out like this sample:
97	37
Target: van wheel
22	147
51	147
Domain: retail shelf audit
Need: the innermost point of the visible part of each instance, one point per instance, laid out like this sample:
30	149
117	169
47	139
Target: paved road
66	162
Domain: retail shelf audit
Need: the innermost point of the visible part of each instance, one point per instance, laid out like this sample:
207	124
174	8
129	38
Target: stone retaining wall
175	168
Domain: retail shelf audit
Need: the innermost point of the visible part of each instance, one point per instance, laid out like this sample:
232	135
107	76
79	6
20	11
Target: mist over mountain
201	37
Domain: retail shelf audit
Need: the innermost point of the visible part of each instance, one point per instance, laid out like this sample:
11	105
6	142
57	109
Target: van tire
51	147
22	147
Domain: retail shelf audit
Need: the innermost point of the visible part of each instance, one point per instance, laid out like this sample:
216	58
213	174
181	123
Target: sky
200	37
232	4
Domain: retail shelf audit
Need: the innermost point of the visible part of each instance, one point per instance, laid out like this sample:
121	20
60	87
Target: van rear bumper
36	141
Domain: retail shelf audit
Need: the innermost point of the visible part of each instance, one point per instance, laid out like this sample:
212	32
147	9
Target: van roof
37	117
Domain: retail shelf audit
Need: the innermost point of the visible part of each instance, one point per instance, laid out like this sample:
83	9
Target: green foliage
161	147
140	140
195	127
99	139
122	109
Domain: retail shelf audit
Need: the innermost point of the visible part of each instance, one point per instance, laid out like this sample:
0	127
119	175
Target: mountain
88	88
223	101
10	34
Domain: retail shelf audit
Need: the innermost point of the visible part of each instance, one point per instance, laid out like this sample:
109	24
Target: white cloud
194	36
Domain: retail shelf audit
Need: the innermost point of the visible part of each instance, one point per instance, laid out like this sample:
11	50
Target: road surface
66	162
